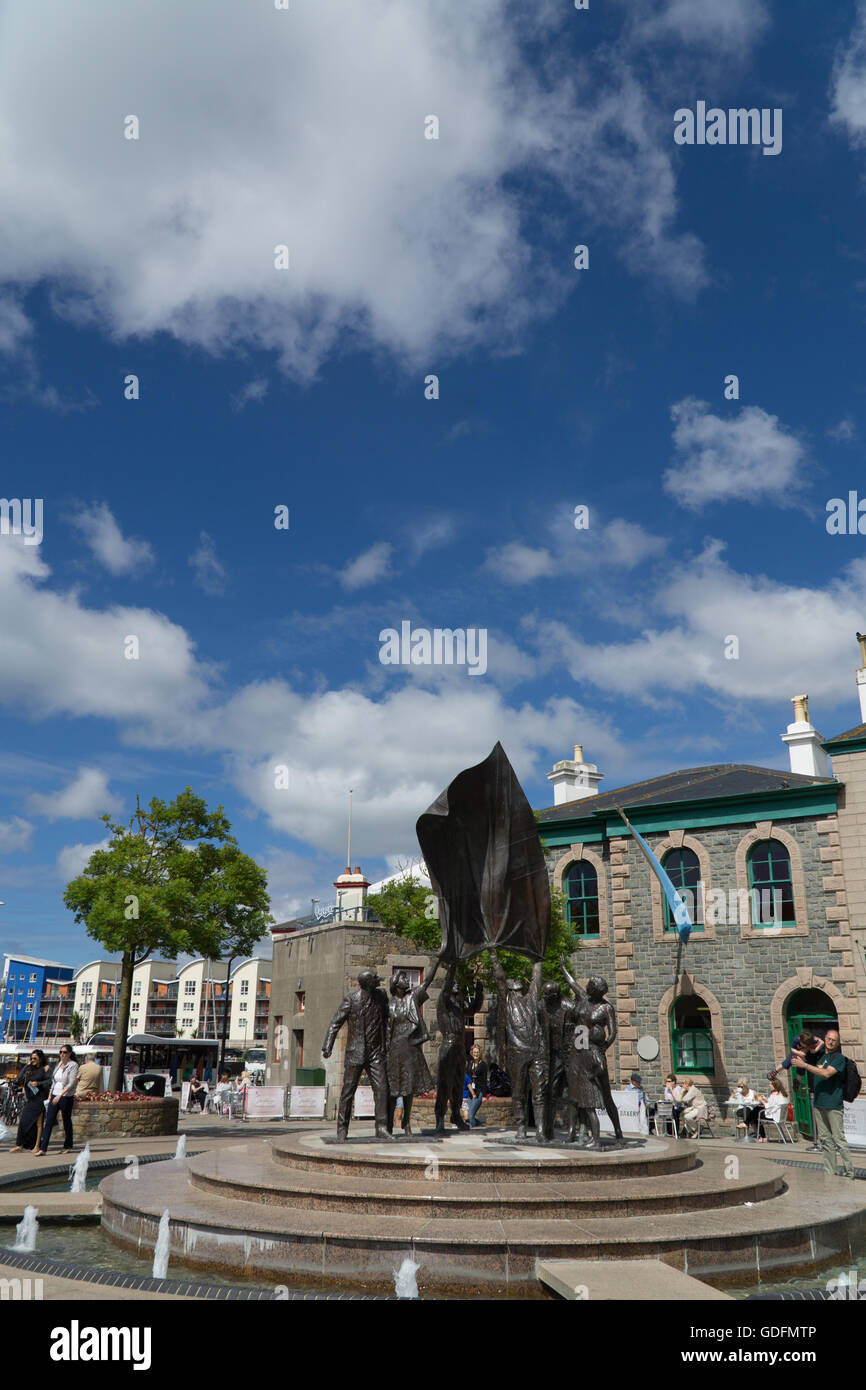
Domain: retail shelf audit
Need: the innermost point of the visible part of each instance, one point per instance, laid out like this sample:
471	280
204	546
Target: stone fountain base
476	1214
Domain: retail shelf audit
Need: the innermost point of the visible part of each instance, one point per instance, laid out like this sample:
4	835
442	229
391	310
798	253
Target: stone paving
216	1135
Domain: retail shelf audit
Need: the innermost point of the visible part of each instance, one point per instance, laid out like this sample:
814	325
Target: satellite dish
647	1048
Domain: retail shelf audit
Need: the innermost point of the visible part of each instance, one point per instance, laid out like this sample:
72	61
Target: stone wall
134	1119
745	974
844	856
495	1112
324	962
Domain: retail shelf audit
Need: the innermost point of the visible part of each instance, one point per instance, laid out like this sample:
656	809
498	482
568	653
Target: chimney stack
861	676
573	779
804	742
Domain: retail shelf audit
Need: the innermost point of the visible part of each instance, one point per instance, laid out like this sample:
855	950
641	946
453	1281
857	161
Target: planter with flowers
126	1113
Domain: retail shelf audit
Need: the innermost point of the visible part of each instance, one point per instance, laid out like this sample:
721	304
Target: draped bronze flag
480	844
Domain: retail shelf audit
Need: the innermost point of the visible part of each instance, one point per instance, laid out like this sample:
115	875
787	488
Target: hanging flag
679	911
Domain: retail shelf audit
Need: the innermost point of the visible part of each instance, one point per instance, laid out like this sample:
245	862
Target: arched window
581	894
771	886
692	1035
683	868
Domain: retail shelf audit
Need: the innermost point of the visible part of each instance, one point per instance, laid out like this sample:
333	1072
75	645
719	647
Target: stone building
772	865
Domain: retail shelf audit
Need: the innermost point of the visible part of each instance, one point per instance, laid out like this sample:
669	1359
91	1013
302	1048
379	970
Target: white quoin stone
805	753
574	779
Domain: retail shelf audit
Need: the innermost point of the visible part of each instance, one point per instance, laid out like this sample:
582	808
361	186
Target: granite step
815	1219
473	1158
251	1175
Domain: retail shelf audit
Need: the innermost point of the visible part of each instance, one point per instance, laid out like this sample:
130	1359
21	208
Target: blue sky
305	387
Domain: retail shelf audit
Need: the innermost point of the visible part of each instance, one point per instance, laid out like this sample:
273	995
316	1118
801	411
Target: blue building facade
25	986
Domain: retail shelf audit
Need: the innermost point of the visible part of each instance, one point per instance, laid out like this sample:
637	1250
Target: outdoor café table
745	1105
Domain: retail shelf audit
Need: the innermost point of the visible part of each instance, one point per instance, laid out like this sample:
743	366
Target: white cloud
430	533
628	182
616	544
516	563
792	637
368	567
748	457
843	433
61	657
85	796
15	834
625	544
72	859
310	132
15	328
118	553
397	753
732	25
209	571
255	390
848	85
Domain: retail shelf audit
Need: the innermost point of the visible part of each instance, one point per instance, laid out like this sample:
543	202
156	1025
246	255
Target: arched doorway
813	1009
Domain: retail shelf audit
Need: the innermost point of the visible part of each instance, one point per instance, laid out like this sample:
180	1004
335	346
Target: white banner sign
632	1115
184	1095
307	1102
365	1106
854	1121
264	1102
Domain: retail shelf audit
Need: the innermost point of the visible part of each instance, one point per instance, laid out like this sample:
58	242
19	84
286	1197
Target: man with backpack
835	1080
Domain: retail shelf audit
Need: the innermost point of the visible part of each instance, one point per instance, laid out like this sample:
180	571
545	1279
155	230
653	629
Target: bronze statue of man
365	1009
451	1011
527	1046
560	1019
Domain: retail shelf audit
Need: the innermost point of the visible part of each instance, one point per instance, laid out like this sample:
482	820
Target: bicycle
11	1105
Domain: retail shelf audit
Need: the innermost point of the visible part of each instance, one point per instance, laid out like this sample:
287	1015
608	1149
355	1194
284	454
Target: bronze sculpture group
553	1045
480	842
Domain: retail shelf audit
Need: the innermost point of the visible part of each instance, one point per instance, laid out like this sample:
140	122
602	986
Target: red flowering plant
126	1097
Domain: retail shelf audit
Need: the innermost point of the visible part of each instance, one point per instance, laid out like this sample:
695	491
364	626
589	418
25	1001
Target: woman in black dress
408	1073
35	1081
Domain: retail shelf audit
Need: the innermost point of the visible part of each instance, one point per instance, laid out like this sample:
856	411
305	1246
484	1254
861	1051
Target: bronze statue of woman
598	1031
408	1073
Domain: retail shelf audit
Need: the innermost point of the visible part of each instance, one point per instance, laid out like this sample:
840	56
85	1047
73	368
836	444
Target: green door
801	1081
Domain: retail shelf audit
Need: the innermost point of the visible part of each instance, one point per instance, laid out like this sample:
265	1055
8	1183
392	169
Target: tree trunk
222	1061
115	1080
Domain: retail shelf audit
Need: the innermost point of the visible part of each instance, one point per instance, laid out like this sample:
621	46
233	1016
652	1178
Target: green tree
409	909
76	1027
173	881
